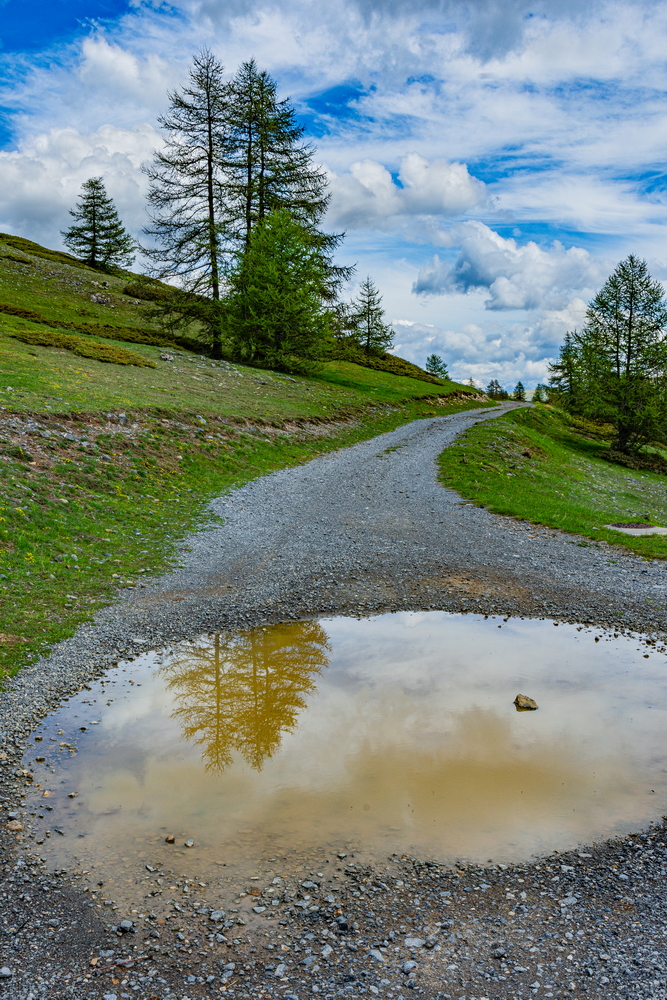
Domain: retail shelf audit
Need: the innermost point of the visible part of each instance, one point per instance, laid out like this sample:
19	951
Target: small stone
409	966
525	704
414	942
189	843
170	839
217	915
166	357
5	973
377	955
14	825
279	971
258	909
126	926
326	951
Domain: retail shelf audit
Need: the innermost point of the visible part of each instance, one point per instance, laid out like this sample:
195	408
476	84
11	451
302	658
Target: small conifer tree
370	330
436	366
539	394
519	393
98	237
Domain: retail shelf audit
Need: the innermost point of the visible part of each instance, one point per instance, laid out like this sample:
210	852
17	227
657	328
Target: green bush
84	348
22	313
130	334
347	349
147	291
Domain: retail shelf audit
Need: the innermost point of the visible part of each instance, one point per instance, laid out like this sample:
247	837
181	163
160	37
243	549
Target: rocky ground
360	531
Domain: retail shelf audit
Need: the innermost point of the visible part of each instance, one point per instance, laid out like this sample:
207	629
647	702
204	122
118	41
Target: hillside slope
105	466
42	290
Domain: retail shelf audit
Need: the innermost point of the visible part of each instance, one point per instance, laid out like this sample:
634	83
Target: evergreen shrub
84	348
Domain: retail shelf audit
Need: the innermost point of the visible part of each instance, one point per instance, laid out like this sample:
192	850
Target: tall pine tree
188	219
267	164
98	236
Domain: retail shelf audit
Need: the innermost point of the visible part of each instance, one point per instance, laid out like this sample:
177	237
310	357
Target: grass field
104	467
540	465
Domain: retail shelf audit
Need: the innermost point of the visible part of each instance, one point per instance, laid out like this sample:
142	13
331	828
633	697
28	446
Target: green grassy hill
42	291
104	465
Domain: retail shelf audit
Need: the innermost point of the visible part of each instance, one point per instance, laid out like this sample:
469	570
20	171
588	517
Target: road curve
361	530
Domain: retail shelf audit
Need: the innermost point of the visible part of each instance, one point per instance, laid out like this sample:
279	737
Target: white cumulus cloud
516	276
368	196
42	179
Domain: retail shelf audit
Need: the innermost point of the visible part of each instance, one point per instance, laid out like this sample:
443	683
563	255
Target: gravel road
363	530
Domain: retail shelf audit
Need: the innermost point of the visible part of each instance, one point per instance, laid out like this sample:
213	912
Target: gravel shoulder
359	531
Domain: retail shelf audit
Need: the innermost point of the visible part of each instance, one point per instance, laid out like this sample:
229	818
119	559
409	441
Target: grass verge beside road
541	465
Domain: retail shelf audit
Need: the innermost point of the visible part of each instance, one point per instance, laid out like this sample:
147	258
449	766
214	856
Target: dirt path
363	530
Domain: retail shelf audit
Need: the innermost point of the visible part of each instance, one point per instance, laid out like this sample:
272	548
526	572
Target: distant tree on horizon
436	366
98	236
494	390
519	393
539	393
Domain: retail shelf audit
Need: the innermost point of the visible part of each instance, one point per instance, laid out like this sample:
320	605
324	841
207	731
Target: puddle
391	734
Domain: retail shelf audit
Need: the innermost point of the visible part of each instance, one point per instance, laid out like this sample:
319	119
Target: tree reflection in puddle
244	691
391	734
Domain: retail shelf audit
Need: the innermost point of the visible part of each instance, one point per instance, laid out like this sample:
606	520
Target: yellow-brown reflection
241	692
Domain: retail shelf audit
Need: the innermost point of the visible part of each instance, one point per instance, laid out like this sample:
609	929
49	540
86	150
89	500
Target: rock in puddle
525	704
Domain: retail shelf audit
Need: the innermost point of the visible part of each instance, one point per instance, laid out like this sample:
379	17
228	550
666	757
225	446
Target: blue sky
489	160
51	22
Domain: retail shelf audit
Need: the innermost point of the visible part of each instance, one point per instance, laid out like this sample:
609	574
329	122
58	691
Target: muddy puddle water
391	734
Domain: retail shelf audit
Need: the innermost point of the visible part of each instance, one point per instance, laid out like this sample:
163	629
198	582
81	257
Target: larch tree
188	219
267	164
279	292
98	236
